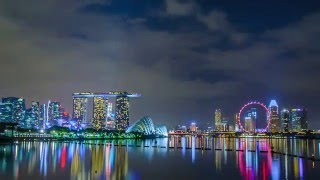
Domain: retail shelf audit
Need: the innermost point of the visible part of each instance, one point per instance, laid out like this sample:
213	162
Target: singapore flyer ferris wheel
264	107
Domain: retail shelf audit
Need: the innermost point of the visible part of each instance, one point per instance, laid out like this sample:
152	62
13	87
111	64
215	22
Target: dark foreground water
103	160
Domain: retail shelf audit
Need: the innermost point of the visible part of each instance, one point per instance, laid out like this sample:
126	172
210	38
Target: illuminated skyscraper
36	114
249	124
236	123
122	112
19	107
80	109
217	119
6	111
274	115
193	127
43	116
299	120
252	113
29	119
99	111
53	111
285	117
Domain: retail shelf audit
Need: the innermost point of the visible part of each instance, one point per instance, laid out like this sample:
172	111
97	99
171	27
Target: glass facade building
285	120
18	108
54	111
274	117
299	120
6	112
36	112
218	119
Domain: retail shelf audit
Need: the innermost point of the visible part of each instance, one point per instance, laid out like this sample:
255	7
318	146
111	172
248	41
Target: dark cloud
50	50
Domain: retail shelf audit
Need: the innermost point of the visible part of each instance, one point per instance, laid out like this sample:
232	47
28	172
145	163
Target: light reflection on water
103	160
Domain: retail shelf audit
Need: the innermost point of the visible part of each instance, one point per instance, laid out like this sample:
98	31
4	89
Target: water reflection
131	159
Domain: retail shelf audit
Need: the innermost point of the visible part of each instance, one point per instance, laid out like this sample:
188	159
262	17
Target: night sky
186	58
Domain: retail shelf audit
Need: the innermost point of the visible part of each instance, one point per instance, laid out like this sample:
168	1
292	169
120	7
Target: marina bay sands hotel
100	106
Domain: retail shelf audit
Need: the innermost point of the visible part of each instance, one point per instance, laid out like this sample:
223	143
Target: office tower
122	112
299	120
43	116
53	111
217	119
80	109
249	124
99	112
236	123
36	114
193	127
18	106
29	119
6	112
274	117
285	117
252	113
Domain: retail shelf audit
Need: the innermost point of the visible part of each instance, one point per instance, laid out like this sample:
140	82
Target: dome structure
145	126
162	130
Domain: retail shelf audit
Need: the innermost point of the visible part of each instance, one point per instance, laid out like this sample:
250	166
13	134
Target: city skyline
40	117
183	57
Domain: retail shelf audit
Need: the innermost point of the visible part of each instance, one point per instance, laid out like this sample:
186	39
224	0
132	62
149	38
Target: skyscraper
193	128
36	113
54	111
6	112
299	120
29	119
274	115
18	106
249	124
99	111
252	113
43	116
285	117
217	119
236	123
80	109
122	112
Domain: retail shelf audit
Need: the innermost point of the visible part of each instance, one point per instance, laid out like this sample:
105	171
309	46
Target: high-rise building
218	119
274	117
299	120
193	128
80	109
6	112
53	111
99	111
122	112
252	113
249	124
35	107
285	117
43	116
19	107
236	123
29	119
